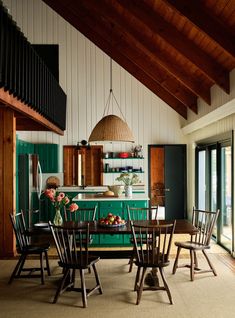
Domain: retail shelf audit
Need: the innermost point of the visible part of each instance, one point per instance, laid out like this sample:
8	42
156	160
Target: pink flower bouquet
59	199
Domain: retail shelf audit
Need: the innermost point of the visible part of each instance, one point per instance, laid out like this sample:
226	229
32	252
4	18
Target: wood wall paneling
7	180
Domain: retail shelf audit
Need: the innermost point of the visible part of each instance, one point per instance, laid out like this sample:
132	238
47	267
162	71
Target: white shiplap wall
204	127
85	77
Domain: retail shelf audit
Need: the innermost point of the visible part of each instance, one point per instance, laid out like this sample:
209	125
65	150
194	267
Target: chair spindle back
204	221
71	244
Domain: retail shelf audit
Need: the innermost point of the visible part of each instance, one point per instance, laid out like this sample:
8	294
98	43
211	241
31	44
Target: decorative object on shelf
138	151
59	200
128	179
117	189
124	155
111	127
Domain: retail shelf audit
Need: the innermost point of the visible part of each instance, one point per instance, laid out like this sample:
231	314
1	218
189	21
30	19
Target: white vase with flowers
128	179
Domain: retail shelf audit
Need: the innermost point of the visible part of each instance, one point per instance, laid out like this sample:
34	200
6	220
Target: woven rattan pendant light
111	128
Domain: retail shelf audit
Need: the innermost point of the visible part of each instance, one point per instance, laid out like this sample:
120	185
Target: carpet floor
206	297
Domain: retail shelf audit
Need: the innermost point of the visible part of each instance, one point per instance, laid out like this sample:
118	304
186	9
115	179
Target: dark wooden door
167	179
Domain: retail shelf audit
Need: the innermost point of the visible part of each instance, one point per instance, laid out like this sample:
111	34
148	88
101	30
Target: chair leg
83	288
176	260
97	279
195	259
209	262
131	260
21	265
61	286
16	270
47	264
191	265
141	286
42	268
137	278
166	285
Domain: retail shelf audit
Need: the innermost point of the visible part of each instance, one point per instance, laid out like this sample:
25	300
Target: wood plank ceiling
176	48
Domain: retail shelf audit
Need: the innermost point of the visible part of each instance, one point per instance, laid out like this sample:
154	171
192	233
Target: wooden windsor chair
135	214
204	221
24	248
152	253
72	247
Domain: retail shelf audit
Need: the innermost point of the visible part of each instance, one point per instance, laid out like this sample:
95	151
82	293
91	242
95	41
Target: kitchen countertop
85	189
96	189
94	197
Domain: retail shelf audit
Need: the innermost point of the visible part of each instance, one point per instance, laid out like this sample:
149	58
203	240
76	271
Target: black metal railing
24	74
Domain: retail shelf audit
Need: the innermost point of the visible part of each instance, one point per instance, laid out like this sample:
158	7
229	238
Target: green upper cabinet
24	147
48	157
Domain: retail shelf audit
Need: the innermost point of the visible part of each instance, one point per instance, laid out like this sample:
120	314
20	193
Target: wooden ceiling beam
127	45
146	44
158	26
89	28
193	84
197	13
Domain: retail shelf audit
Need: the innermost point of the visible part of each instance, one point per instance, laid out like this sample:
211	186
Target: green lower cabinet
89	205
132	204
95	240
116	208
110	207
71	195
111	240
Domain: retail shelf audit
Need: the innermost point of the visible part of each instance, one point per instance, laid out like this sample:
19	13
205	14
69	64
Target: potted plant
128	179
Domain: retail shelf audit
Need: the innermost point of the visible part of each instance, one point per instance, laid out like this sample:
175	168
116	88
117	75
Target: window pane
202	179
226	219
213	203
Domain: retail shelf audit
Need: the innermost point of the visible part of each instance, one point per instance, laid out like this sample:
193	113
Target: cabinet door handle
167	190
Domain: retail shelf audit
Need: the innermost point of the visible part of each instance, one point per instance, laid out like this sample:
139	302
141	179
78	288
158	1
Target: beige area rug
206	297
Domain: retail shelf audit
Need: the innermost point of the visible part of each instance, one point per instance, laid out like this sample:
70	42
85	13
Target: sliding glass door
225	232
214	187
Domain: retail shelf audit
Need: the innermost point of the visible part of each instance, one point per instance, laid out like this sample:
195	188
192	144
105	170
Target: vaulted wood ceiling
176	48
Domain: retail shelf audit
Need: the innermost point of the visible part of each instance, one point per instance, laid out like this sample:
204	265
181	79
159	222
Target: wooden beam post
7	180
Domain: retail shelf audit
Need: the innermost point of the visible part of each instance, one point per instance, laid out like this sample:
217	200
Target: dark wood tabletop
182	226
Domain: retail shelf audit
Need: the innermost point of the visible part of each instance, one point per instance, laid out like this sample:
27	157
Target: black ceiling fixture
83	143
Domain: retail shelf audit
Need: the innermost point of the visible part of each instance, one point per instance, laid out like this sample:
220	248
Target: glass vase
58	220
128	191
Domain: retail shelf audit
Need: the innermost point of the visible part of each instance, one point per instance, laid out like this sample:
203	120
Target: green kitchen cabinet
48	157
24	147
114	207
89	205
132	204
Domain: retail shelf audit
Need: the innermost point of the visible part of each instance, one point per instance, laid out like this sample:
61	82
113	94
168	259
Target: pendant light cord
111	94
